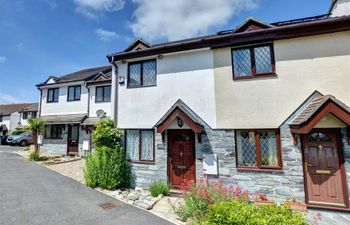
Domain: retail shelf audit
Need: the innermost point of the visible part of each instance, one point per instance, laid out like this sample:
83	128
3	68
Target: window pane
77	93
149	75
99	94
268	149
147	145
132	144
56	93
70	93
246	148
50	96
135	75
242	63
107	93
263	59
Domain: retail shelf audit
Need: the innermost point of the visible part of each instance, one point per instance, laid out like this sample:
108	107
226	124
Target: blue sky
40	38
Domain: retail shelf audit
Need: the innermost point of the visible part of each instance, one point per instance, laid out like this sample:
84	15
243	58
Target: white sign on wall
210	164
86	145
40	139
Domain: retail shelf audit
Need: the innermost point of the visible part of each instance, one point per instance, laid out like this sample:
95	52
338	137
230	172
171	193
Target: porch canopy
318	109
64	119
179	111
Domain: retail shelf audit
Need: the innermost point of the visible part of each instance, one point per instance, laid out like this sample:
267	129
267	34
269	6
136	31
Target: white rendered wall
94	106
14	120
63	106
341	8
187	76
6	120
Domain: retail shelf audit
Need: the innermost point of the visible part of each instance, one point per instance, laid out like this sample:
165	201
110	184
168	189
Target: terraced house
264	106
71	105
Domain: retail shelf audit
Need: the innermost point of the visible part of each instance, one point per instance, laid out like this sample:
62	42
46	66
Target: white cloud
3	59
51	3
179	19
95	8
105	35
8	98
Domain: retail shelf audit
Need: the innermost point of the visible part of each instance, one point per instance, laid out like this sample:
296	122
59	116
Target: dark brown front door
73	139
324	175
181	157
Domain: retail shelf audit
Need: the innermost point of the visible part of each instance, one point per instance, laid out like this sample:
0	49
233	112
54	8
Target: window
259	149
140	145
74	93
25	115
253	61
142	74
103	94
34	114
52	95
0	118
54	131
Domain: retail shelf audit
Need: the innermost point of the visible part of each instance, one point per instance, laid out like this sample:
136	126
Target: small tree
107	167
35	126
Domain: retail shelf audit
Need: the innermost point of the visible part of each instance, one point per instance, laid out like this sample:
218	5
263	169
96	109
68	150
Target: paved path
33	195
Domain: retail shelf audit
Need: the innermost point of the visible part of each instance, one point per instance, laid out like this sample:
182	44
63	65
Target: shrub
197	198
34	156
159	187
107	167
240	212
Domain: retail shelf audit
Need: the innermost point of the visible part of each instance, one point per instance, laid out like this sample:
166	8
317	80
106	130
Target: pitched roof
314	106
8	109
81	75
32	107
281	30
252	24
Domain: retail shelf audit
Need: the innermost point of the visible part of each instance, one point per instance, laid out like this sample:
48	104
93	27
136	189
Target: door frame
341	167
68	135
168	151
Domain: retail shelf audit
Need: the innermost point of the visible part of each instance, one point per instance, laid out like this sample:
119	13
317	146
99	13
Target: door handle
306	165
181	154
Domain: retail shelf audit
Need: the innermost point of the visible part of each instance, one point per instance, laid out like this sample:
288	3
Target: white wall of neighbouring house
6	120
64	107
340	8
188	76
94	106
14	120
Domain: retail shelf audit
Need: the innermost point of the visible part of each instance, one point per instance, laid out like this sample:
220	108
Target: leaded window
258	149
74	93
52	95
142	74
253	61
103	94
140	145
54	131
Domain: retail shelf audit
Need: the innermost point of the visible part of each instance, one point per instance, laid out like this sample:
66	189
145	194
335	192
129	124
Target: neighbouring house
264	106
11	116
30	111
71	105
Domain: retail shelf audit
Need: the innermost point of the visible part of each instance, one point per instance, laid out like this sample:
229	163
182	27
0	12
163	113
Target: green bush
107	167
240	212
159	187
34	156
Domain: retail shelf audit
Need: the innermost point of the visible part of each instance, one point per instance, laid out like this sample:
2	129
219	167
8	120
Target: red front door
181	157
73	139
325	178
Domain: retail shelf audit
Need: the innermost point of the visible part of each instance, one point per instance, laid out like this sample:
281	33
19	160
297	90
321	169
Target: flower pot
298	206
264	202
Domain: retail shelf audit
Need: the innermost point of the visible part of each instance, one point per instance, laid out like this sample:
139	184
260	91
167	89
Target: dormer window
254	61
52	95
74	93
142	74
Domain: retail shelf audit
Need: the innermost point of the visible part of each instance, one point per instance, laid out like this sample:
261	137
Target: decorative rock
138	189
133	196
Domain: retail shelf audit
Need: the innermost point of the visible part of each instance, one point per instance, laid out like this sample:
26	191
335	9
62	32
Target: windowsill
51	102
278	170
103	102
73	100
142	86
54	138
264	75
141	162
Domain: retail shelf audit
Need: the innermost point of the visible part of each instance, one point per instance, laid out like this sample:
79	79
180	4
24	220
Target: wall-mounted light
180	123
121	80
160	56
124	61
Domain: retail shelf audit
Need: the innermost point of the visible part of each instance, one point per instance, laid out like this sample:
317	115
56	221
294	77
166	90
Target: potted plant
296	204
262	199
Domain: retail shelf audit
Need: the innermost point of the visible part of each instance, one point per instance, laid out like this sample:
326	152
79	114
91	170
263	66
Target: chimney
339	8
